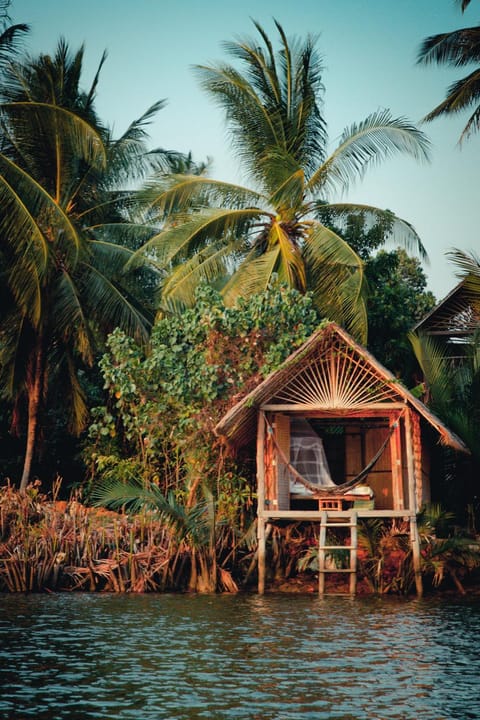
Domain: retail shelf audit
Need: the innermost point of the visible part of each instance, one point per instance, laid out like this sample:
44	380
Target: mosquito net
307	456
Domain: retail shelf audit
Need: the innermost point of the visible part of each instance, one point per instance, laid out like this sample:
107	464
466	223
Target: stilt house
454	320
337	437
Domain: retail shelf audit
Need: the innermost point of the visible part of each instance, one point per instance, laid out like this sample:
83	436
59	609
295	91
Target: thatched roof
456	316
329	373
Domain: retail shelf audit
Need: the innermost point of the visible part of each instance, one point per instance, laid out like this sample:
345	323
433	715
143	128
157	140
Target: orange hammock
342	488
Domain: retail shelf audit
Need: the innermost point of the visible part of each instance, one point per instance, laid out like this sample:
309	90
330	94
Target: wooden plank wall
357	457
282	436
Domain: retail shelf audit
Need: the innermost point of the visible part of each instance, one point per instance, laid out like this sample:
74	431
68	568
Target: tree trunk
34	390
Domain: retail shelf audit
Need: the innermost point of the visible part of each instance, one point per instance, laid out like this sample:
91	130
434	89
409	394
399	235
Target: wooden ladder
325	522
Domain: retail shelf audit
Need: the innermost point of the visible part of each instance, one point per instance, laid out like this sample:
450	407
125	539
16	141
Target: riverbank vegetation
142	298
51	545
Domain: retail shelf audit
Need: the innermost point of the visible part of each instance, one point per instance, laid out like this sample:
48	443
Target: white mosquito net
307	456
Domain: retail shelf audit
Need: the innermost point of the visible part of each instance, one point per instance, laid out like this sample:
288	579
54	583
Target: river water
277	657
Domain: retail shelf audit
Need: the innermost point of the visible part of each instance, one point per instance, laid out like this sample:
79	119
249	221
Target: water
278	657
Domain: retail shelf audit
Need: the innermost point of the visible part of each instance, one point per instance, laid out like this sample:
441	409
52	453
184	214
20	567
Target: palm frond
64	374
467	263
274	103
336	277
190	524
469	270
457	48
177	243
11	41
252	128
461	95
56	123
208	265
253	276
174	193
26	204
71	323
431	357
289	193
128	156
112	306
12	357
128	235
376	138
291	267
93	87
403	232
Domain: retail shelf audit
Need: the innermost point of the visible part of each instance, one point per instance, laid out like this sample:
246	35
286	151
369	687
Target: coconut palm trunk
34	385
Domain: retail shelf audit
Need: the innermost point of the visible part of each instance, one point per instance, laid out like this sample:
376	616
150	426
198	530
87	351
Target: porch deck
316	515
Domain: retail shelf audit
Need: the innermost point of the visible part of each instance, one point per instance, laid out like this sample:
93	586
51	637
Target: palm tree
65	235
216	229
11	36
456	49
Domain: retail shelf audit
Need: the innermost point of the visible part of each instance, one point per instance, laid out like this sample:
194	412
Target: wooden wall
282	435
360	447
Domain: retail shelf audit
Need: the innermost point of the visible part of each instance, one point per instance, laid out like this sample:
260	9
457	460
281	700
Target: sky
369	49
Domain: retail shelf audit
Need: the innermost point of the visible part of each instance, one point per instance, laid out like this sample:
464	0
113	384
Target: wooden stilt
412	501
261	536
261	555
353	553
417	558
321	553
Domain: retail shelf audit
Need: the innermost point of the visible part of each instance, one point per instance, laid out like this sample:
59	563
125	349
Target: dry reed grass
52	545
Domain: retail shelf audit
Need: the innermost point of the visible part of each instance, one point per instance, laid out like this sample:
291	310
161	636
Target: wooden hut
454	320
337	437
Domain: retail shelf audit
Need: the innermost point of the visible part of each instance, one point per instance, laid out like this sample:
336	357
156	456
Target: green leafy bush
163	404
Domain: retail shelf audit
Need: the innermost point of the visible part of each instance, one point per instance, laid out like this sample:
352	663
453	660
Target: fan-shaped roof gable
329	373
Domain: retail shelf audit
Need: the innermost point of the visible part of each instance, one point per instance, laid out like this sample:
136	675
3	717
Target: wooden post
353	553
261	538
395	457
417	558
261	535
321	553
261	462
412	504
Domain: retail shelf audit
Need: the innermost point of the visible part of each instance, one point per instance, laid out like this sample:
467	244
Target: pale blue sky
369	49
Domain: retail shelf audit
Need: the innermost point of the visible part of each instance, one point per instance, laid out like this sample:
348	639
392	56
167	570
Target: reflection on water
274	657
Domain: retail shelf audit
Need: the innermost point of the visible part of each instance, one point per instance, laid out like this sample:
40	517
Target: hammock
342	488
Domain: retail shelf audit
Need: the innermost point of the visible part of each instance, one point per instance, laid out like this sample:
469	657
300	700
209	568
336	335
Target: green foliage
444	552
453	388
397	300
153	444
164	404
396	297
384	555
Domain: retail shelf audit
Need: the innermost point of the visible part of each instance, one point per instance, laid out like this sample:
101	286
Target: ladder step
331	520
337	547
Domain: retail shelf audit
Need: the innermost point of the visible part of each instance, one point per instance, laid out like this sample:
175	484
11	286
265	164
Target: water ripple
152	657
